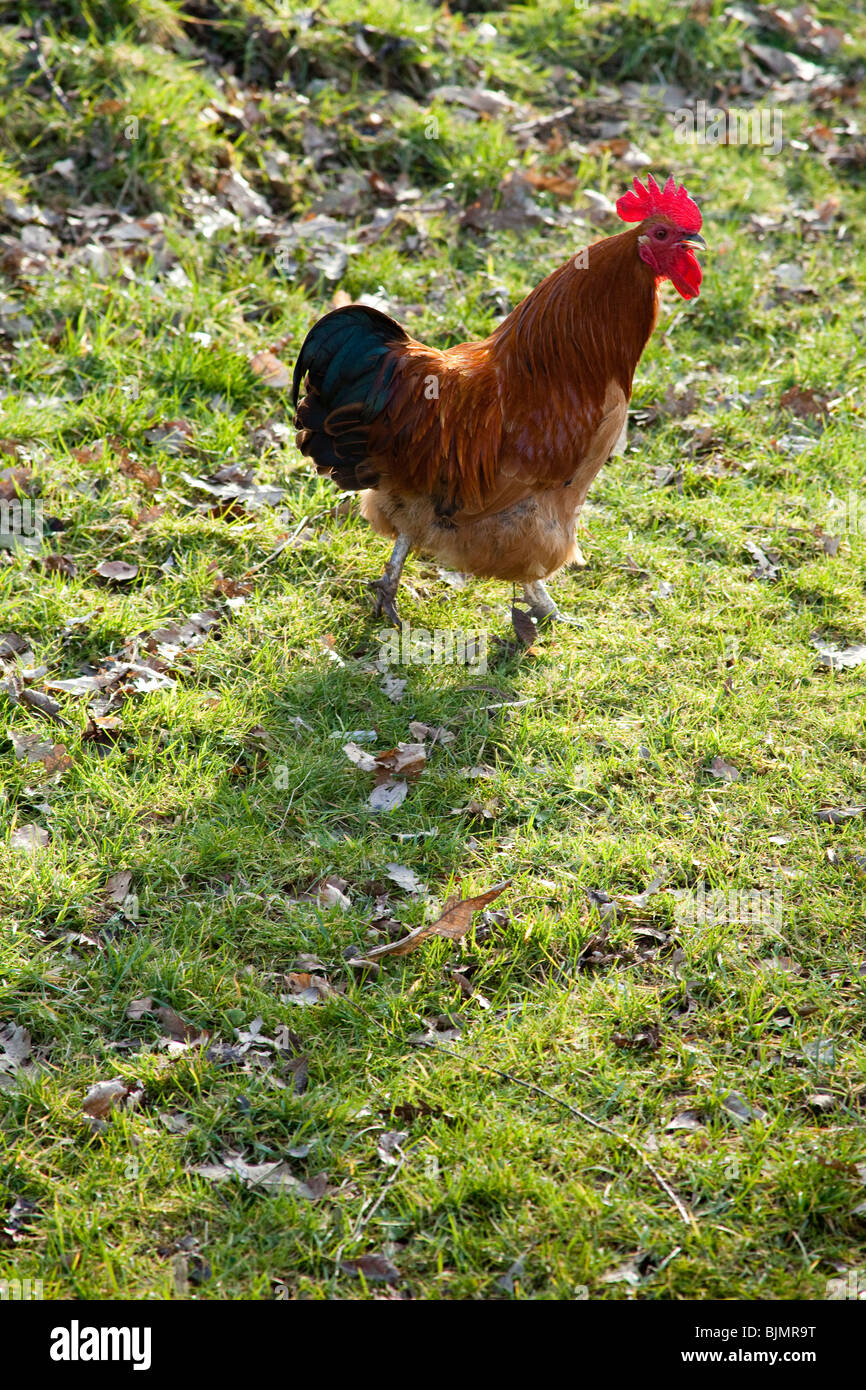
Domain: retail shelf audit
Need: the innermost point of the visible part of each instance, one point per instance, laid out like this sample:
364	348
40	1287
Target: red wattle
685	273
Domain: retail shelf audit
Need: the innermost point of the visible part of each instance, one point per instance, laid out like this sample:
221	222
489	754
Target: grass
226	810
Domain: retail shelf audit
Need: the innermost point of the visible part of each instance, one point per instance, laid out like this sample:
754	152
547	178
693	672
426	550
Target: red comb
673	202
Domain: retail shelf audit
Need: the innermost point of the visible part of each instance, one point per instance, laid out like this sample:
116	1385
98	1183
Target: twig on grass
365	1217
279	550
42	63
684	1212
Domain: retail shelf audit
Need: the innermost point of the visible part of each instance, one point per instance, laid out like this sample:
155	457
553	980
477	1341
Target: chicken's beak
694	239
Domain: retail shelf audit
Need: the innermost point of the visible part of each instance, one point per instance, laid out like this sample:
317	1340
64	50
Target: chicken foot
541	605
386	587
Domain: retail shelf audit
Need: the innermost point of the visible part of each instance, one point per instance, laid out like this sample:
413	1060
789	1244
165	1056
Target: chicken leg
541	605
386	587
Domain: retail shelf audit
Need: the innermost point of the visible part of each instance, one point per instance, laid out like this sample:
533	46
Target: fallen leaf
241	196
766	568
12	646
330	894
514	1272
59	564
118	885
405	878
804	402
838	658
821	1101
231	484
14	1226
388	796
454	923
481	100
29	838
174	1026
438	1030
15	1044
435	733
640	900
375	1269
172	436
365	761
822	1053
104	1096
740	1108
394	687
306	988
627	1273
523	625
829	544
30	748
299	1070
389	1142
407	758
275	1177
137	1008
174	1122
648	1037
270	370
837	815
116	571
723	771
686	1119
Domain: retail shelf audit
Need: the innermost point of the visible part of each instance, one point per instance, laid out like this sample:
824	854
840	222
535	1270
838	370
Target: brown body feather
483	453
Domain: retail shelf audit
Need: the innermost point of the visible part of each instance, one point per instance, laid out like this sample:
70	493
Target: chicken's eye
661	233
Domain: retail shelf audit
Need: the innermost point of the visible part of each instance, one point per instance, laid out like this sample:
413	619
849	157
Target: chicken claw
541	605
385	588
385	594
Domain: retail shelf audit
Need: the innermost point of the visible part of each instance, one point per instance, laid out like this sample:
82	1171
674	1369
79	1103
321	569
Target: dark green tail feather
342	359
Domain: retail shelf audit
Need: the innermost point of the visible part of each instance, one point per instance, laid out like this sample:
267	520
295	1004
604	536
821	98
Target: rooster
481	455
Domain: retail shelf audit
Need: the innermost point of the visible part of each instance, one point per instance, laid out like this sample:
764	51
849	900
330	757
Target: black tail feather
343	360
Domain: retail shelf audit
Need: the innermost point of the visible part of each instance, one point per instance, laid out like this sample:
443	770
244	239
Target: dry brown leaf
436	733
560	185
12	646
30	748
406	758
804	402
454	923
272	372
104	1096
174	1026
523	625
172	436
306	988
150	477
56	563
376	1269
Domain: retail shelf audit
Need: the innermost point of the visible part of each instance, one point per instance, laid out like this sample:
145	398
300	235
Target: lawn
640	1073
